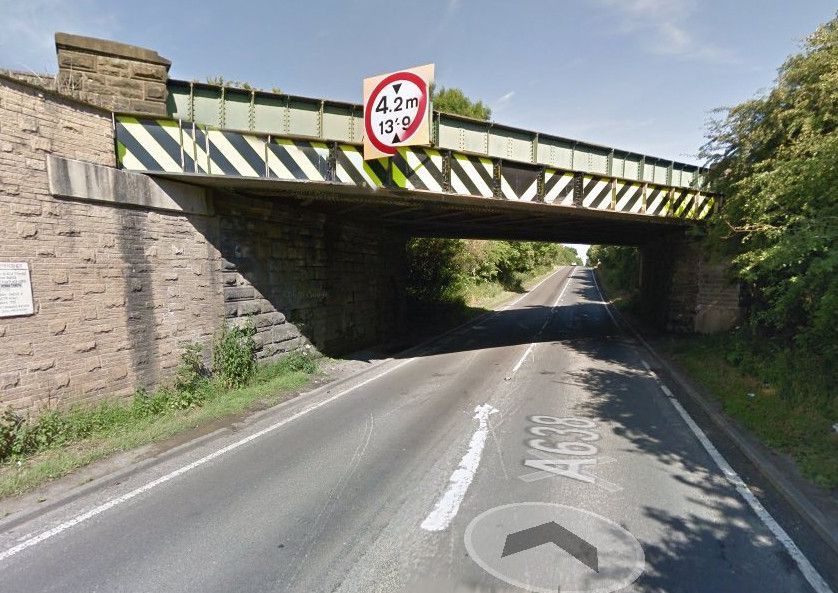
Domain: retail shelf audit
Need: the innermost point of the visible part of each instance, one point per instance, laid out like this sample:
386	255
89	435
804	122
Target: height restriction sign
397	111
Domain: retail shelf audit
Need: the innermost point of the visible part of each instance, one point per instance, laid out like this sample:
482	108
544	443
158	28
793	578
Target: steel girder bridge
478	179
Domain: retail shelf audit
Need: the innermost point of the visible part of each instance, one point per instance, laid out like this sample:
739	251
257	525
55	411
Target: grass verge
114	427
783	397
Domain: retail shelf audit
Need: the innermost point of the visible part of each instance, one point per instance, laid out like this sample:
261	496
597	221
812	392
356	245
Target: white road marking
28	543
447	506
809	572
602	298
541	329
530	291
81	518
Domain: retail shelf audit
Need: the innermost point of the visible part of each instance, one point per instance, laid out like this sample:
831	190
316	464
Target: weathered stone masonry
119	289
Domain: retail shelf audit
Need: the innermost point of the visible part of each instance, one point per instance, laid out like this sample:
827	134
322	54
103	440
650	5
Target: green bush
234	355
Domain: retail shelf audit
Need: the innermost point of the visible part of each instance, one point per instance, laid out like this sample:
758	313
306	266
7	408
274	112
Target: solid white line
546	321
531	290
186	468
809	572
449	503
602	298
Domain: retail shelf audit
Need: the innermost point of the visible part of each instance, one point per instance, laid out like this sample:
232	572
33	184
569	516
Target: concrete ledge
80	180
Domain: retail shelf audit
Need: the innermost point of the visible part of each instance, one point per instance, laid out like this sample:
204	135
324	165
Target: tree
775	160
453	100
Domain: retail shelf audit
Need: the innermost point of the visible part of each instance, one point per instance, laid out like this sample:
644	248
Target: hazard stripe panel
472	176
352	168
519	182
149	144
704	206
558	187
418	169
299	160
596	193
657	201
682	203
169	146
629	197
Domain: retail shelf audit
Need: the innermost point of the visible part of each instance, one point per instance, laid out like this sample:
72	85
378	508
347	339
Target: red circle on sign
423	102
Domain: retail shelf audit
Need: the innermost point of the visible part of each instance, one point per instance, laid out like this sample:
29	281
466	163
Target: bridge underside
447	215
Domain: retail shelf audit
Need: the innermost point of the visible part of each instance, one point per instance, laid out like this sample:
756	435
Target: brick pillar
683	291
112	75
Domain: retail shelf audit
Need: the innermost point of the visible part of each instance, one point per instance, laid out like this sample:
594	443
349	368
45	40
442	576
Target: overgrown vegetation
454	100
450	274
194	393
619	268
775	160
782	395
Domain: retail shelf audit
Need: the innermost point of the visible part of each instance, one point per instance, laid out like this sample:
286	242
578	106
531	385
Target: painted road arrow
552	532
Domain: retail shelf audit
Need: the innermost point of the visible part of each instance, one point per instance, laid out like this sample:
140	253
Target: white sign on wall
15	290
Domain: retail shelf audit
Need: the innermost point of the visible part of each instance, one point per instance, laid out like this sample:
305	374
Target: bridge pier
683	290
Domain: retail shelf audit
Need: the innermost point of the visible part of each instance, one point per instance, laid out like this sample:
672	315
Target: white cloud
505	98
27	29
663	26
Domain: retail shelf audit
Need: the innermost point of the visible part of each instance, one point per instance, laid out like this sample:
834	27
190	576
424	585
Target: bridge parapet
178	146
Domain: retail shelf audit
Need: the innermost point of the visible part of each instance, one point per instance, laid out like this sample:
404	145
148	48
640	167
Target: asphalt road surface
531	450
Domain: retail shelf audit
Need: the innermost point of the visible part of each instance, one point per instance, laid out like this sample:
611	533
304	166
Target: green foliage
192	387
619	267
234	355
453	100
782	395
775	159
441	270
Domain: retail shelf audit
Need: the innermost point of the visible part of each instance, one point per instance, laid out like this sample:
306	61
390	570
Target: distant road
531	450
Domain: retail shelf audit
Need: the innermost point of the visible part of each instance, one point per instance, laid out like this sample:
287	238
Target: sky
641	75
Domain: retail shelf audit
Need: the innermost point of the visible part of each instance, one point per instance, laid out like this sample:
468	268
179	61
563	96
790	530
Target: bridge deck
173	146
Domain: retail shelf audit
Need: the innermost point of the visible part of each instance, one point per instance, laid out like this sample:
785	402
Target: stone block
57	327
72	60
9	380
42	365
155	91
85	346
26	230
23	349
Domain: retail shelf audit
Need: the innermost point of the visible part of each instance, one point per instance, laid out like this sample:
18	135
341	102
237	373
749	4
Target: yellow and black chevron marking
300	160
519	183
704	206
418	168
558	187
596	193
472	176
657	201
232	153
681	204
629	197
150	145
352	168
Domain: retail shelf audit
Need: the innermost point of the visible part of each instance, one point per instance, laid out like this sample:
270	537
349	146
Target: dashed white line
541	329
448	505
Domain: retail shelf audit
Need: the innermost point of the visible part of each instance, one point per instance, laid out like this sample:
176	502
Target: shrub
234	355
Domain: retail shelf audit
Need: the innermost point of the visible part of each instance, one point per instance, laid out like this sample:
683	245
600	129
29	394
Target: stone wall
120	288
683	291
112	75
